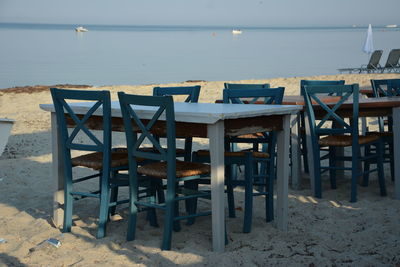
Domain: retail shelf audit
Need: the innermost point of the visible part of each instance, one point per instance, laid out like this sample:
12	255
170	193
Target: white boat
236	31
80	29
391	26
5	129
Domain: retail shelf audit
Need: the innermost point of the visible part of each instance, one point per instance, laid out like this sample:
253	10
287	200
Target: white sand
322	232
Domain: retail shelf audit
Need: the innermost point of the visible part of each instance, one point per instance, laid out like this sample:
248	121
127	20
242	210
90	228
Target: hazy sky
203	12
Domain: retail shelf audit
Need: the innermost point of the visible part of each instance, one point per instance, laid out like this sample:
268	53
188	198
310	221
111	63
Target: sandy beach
321	232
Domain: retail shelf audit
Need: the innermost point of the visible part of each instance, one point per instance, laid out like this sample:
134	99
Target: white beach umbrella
368	44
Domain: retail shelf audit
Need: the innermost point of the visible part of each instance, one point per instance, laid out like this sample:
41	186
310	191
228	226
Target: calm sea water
32	54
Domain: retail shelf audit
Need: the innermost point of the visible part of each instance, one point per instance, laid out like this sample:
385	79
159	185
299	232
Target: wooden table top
380	102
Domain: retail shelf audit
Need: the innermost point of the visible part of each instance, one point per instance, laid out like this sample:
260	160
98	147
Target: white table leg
296	157
396	147
57	174
283	175
216	136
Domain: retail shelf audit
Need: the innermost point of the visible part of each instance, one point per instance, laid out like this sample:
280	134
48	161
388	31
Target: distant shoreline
38	88
67	26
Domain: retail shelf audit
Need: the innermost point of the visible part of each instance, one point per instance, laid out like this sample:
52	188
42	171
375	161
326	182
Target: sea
48	54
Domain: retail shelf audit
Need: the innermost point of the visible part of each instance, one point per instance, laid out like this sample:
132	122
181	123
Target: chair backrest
67	118
192	92
318	82
246	85
374	59
134	123
393	59
251	96
386	87
330	122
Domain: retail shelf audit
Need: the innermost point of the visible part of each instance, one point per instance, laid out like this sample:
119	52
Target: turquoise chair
164	165
303	143
328	129
192	96
264	181
105	161
385	88
248	138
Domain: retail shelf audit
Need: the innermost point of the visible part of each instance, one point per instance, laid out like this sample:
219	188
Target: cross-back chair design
265	179
101	158
303	142
328	128
192	96
385	88
164	166
248	138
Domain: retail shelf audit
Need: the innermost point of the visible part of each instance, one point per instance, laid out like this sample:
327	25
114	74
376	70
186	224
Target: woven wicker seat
381	134
95	160
251	136
179	151
345	140
242	153
183	169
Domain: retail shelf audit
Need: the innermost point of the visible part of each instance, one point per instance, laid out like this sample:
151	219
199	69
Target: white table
212	121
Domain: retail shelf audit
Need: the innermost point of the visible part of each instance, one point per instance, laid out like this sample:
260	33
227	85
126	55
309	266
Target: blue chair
164	165
192	96
265	179
247	138
328	129
385	88
303	143
101	158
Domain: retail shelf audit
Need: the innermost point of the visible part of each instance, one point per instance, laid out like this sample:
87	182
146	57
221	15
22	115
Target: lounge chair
373	64
392	62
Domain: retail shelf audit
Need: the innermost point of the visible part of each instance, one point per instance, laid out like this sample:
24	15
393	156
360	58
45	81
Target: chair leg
113	199
176	224
381	174
234	167
104	205
68	202
269	199
354	172
229	192
155	187
133	210
248	209
391	159
303	141
367	164
332	163
191	204
317	173
169	222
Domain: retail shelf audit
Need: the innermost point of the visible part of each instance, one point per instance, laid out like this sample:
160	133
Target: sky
203	12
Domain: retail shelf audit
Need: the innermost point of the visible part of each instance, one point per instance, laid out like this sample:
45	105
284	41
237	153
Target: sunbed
392	62
372	66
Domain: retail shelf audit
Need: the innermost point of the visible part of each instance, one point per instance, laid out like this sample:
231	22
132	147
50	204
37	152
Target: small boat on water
5	129
391	26
80	29
236	31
